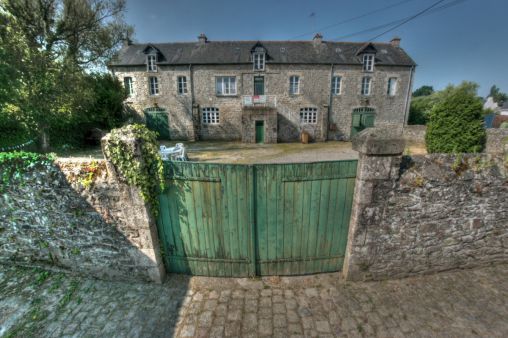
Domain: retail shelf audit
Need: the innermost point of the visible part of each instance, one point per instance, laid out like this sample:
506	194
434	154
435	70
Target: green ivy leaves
144	169
13	165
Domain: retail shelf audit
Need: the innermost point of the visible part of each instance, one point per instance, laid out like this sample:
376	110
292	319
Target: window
154	85
259	61
308	115
182	85
368	62
225	85
392	86
294	85
127	83
366	85
259	85
210	115
336	80
150	63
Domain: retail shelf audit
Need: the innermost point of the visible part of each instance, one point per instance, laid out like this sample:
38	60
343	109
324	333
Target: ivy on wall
13	165
143	169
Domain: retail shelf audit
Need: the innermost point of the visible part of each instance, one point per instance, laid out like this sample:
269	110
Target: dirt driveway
237	152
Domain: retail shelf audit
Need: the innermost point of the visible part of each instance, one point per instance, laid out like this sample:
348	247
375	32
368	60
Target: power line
353	18
400	22
408	19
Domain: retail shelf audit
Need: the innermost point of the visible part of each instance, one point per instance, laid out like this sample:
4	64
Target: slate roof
237	52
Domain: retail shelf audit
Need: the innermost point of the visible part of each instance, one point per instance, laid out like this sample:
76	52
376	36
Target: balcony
259	101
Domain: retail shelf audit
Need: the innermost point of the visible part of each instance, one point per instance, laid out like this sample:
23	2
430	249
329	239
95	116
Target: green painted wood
157	119
308	231
241	220
362	118
260	131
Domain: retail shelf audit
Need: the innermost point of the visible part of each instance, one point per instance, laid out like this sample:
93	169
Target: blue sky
468	41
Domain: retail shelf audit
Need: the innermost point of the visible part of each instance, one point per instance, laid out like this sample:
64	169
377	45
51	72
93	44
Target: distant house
266	91
503	110
490	104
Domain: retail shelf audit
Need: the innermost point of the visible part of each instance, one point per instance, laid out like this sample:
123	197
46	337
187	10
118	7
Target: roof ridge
262	41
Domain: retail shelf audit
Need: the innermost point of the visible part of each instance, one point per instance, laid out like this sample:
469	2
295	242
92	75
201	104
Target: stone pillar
380	153
139	225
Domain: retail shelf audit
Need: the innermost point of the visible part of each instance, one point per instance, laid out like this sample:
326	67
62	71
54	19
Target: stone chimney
127	41
395	42
317	39
202	38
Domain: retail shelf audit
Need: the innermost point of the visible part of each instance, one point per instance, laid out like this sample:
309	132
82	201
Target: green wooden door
204	219
157	120
260	131
243	220
362	118
302	216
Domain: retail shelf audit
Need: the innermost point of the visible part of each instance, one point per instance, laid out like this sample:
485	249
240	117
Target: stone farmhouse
266	91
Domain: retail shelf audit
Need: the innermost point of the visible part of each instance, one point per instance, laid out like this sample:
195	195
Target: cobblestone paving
467	303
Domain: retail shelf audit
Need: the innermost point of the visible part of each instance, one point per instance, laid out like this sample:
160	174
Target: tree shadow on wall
73	218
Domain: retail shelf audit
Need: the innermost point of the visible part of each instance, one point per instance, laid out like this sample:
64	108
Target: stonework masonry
422	214
334	111
497	141
414	133
99	228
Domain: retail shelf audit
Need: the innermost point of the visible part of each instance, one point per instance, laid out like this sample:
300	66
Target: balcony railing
259	101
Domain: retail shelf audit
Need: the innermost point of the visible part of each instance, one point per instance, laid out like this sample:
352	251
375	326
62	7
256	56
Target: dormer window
151	60
259	61
368	62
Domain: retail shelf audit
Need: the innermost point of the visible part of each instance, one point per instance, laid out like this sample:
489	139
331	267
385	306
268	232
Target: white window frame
225	86
308	115
128	85
294	85
366	86
368	62
153	85
258	60
151	63
181	82
391	90
336	85
210	115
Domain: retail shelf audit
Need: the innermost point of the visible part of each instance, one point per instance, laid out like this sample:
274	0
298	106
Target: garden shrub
456	122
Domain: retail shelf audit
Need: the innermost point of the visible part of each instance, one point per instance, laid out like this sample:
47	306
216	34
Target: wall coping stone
385	140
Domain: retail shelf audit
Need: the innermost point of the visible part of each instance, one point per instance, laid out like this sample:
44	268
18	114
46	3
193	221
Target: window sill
226	95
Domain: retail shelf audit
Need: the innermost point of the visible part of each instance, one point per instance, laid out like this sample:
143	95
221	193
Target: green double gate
246	220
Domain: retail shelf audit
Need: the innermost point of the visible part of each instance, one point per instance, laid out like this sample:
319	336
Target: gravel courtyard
466	303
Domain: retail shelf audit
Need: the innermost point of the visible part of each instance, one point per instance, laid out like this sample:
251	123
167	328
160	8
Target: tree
59	40
456	121
422	102
423	91
497	95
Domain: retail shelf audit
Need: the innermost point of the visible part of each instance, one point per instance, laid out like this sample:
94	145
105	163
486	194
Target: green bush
456	122
504	125
13	132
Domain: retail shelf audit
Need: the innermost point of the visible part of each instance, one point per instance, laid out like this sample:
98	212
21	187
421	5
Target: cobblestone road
468	303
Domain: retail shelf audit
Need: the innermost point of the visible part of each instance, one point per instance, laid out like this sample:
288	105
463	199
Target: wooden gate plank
271	219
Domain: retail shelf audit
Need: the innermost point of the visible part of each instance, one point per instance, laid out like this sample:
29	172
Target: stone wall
497	141
334	111
414	133
77	216
423	214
